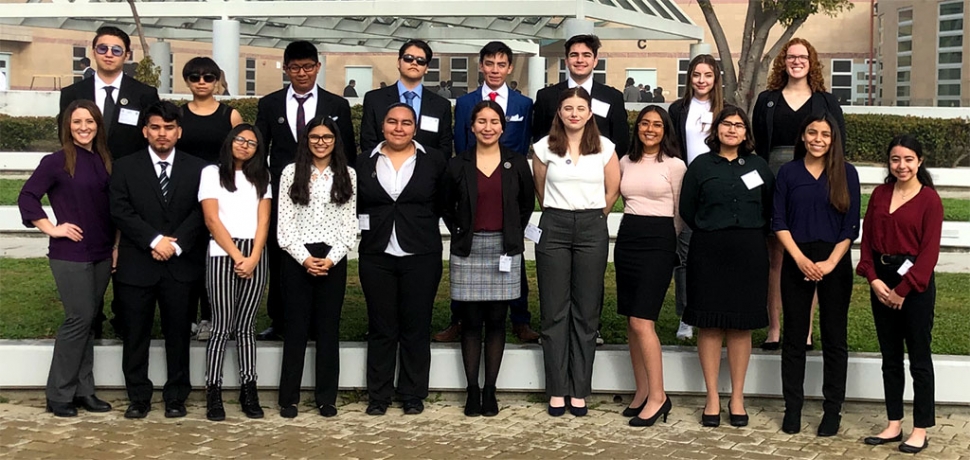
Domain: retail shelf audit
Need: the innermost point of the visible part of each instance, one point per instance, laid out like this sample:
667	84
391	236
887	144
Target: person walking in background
235	198
900	247
796	89
726	200
645	94
631	93
82	251
816	219
692	117
658	95
87	72
646	253
350	90
318	227
577	179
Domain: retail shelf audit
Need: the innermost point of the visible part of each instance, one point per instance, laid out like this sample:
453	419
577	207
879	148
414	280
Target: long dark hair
590	143
908	141
834	159
669	145
342	188
100	145
489	105
716	96
255	169
714	143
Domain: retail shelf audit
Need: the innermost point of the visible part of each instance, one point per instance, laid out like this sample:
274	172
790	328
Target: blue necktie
409	97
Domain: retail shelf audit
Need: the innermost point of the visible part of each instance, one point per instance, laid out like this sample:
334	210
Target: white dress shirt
321	221
238	210
574	186
309	107
99	93
393	181
158	172
697	127
587	85
502	99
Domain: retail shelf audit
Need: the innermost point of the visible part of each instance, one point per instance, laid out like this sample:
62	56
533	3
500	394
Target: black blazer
678	117
432	105
415	213
123	139
275	127
140	213
461	196
614	126
763	120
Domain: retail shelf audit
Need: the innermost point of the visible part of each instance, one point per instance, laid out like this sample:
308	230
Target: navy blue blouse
802	205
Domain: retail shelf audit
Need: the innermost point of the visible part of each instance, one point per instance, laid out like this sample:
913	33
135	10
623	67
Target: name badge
600	108
504	263
128	117
904	268
752	180
533	233
429	124
364	221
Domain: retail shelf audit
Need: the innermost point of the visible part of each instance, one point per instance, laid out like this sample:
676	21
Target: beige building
918	45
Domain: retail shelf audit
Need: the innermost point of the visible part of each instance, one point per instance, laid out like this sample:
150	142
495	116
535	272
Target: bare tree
147	72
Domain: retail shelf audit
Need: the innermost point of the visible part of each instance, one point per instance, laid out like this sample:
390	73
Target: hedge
946	142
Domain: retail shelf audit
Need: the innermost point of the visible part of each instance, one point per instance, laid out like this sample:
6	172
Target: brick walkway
521	430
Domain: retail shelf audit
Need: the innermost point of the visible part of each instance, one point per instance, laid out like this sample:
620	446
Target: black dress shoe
792	423
376	408
911	449
249	400
214	408
877	441
578	411
662	412
712	421
631	411
60	409
175	409
829	426
473	401
770	346
289	411
328	410
556	411
413	407
810	346
92	404
489	403
270	333
138	410
739	420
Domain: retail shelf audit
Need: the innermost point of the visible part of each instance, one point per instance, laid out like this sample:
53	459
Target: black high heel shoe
739	420
631	411
663	411
712	421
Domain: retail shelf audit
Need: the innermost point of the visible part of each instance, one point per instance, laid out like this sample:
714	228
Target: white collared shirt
158	172
99	86
502	99
321	221
587	85
393	181
309	107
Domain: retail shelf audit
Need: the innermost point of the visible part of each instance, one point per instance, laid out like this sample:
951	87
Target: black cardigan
461	196
415	213
764	117
678	117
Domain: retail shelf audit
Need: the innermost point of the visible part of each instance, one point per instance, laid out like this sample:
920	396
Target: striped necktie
163	179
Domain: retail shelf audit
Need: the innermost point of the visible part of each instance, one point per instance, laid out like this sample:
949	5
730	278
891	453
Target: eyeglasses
325	138
412	59
796	57
208	78
103	49
295	68
245	142
738	126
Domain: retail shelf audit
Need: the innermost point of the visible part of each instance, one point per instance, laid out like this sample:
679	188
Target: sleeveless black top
202	136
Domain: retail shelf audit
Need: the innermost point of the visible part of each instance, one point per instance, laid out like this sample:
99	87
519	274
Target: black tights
473	316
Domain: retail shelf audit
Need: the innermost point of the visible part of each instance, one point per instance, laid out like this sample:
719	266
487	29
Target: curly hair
778	77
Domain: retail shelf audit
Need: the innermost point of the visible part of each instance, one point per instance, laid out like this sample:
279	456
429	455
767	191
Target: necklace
904	194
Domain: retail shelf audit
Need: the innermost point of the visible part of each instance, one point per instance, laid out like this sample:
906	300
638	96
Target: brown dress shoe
525	333
449	334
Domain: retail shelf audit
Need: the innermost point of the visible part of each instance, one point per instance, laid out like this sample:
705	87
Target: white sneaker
685	331
599	339
205	331
194	328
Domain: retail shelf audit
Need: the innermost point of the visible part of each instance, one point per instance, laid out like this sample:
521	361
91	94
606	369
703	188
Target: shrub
19	133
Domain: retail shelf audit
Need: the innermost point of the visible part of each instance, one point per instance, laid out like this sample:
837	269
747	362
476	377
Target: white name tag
429	124
504	264
600	108
364	221
904	268
128	117
533	233
752	180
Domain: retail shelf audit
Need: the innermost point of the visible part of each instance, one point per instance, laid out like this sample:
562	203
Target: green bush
19	133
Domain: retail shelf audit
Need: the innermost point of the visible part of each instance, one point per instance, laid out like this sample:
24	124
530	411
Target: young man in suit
611	116
434	111
495	63
281	117
161	253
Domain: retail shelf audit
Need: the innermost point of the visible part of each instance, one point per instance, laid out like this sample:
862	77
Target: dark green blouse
715	197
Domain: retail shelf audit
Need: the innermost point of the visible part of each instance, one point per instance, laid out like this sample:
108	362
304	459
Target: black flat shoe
577	411
376	408
138	410
473	401
328	410
489	403
877	441
663	411
910	449
713	421
556	411
92	404
413	407
829	426
771	346
792	423
631	411
739	420
289	411
60	409
810	346
175	409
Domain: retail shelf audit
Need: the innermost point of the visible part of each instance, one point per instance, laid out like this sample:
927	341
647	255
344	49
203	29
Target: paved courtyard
521	431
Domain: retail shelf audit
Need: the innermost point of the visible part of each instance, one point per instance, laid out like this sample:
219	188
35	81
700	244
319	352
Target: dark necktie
163	179
409	98
109	107
493	95
300	116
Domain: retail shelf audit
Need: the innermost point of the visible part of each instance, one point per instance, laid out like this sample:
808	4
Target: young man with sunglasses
281	118
433	111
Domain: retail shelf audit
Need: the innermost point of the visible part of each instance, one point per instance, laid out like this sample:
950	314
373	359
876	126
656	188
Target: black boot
214	410
489	404
473	404
249	399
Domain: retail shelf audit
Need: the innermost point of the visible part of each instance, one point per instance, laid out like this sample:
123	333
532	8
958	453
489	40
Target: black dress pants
274	299
400	293
834	294
911	326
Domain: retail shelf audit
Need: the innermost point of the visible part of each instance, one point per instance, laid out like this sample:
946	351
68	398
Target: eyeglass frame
321	139
116	50
797	57
295	69
243	142
740	126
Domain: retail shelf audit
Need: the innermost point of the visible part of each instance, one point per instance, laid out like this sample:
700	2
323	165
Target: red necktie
300	115
493	95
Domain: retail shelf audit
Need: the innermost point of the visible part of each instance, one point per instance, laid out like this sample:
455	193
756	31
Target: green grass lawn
30	309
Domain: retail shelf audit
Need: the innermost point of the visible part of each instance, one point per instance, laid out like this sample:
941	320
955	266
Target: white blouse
238	211
697	128
574	187
321	221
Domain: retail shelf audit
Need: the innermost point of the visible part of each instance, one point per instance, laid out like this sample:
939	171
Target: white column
574	26
225	51
537	75
161	54
322	76
699	48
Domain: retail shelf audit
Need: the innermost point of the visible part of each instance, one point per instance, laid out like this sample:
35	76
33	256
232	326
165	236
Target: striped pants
235	302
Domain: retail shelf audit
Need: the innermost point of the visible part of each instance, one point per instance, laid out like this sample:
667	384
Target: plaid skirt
477	278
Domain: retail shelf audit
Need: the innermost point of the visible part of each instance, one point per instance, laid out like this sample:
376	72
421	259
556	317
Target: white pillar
322	76
699	48
161	54
537	75
225	51
574	26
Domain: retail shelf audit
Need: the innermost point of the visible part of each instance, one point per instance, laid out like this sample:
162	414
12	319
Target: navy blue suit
518	122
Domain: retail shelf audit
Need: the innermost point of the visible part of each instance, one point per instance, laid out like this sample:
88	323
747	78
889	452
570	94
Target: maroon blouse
488	207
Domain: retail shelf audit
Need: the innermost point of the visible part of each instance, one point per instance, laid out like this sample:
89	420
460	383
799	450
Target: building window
683	79
250	77
433	77
861	93
599	72
459	76
949	47
78	68
904	55
842	80
171	73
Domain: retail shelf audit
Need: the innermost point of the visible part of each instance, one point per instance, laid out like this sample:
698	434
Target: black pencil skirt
645	255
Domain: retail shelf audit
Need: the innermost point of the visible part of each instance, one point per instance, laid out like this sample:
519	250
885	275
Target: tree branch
723	50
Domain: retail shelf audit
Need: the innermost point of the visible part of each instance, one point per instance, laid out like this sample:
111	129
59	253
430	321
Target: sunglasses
412	59
103	49
208	78
245	142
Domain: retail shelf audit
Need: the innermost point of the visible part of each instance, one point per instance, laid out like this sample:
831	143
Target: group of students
213	198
